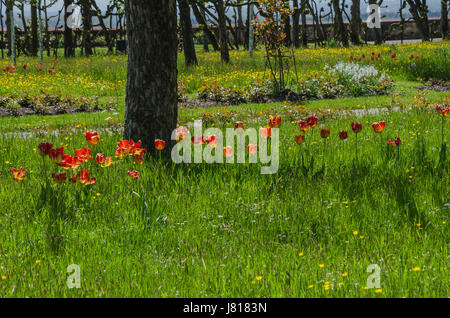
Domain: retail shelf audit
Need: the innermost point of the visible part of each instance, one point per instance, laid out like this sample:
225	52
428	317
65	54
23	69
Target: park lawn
228	231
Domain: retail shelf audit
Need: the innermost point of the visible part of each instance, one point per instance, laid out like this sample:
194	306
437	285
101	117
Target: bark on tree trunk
87	26
444	19
340	23
419	11
151	97
304	25
202	21
224	54
9	6
355	24
68	36
34	29
296	25
186	29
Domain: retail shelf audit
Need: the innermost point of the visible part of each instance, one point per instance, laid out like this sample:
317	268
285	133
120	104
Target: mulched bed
437	87
286	95
47	110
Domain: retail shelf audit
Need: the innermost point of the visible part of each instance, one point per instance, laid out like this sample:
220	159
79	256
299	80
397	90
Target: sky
389	7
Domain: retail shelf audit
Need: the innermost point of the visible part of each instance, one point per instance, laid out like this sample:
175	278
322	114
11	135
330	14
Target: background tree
444	18
341	30
419	11
151	95
355	22
186	29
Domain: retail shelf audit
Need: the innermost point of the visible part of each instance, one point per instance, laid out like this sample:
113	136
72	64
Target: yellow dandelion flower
379	291
321	265
416	269
259	277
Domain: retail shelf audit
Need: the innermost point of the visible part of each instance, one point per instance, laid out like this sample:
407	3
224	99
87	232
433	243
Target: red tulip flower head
160	144
325	133
343	135
378	127
299	139
18	175
356	127
275	122
44	148
92	137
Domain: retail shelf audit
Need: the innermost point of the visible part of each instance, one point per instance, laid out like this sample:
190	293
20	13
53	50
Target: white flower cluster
354	71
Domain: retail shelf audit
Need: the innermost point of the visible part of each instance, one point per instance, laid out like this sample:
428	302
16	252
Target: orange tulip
228	151
275	122
129	148
265	132
70	162
180	133
443	112
304	126
18	175
82	177
378	127
299	139
103	161
83	154
92	137
160	144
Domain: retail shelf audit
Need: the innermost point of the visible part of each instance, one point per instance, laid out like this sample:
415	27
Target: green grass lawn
222	230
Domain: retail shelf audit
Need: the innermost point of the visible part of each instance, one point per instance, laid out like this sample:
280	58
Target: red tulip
228	151
343	135
44	148
325	133
134	174
239	124
303	125
378	127
18	175
82	177
160	144
92	137
312	121
443	112
212	141
275	122
56	155
129	148
396	142
180	133
299	139
356	127
103	161
83	154
198	140
70	162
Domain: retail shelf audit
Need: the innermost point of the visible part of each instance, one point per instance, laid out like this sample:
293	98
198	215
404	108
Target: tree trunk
340	23
304	25
87	26
355	23
9	6
202	21
68	35
419	11
287	28
296	25
224	54
186	29
34	29
151	98
444	19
